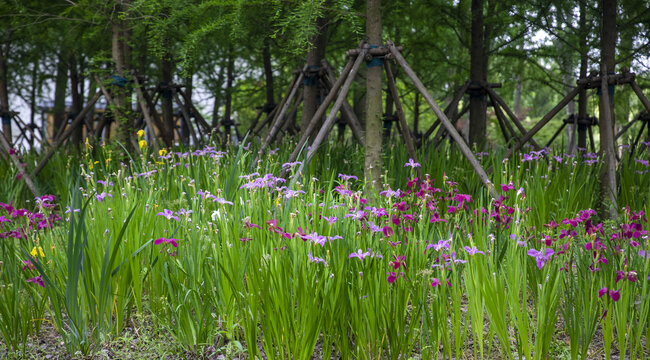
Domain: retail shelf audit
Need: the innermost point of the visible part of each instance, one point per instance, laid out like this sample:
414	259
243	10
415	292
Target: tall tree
478	75
314	57
606	109
373	161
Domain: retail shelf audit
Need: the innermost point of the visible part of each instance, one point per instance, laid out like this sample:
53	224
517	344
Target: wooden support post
321	110
291	115
506	128
445	122
28	179
194	111
392	87
495	97
327	125
186	115
544	121
109	100
269	118
346	110
67	133
559	130
626	127
638	137
145	110
592	143
454	102
278	122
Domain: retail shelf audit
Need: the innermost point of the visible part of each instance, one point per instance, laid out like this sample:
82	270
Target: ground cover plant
226	256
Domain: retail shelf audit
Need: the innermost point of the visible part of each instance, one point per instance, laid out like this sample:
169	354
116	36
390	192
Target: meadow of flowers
214	250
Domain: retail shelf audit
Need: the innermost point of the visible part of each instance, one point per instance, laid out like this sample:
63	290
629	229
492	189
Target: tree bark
59	94
167	77
268	71
582	96
120	54
4	91
608	191
373	160
230	79
311	91
478	62
77	98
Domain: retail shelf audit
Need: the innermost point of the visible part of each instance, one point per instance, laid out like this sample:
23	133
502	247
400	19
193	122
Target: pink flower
435	282
399	261
602	292
391	277
37	280
166	241
615	295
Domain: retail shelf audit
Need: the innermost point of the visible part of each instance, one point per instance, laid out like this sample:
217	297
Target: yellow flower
162	152
277	202
88	146
35	252
140	134
142	143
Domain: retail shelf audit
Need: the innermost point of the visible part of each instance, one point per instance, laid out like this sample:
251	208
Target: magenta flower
435	282
347	177
615	295
602	292
541	256
168	214
411	163
391	277
387	230
436	218
399	261
506	187
473	250
166	241
37	280
359	254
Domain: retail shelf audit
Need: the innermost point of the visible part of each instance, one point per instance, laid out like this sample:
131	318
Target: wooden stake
186	115
145	110
327	125
28	180
454	102
278	122
544	121
445	122
55	145
346	110
400	115
321	110
495	97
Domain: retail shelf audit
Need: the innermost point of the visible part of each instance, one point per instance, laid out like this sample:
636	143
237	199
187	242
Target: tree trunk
478	62
230	79
606	125
268	71
186	123
218	95
32	101
582	95
59	94
373	161
77	98
120	54
311	90
167	77
4	92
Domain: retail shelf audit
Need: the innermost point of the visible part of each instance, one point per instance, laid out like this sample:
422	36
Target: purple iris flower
541	256
173	242
473	250
316	259
102	196
220	201
168	214
359	254
412	163
330	219
347	177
